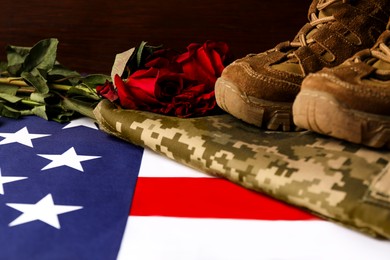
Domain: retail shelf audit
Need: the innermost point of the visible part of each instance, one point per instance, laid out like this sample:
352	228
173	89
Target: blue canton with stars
65	189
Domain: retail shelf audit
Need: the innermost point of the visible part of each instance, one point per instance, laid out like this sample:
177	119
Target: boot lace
371	56
382	52
316	22
317	18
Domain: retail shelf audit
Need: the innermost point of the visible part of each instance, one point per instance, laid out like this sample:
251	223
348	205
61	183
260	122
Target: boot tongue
382	72
380	59
382	65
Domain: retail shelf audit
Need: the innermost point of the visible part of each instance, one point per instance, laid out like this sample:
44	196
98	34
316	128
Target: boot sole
258	112
322	113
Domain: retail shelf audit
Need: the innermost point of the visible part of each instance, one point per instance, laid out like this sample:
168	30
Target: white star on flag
69	158
44	210
22	136
84	121
8	179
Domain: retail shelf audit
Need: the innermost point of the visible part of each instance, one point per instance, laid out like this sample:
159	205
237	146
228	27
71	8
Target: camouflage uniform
339	181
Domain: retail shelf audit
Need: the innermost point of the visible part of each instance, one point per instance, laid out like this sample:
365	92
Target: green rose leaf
140	51
94	80
40	111
82	92
8	111
84	108
64	117
32	82
138	57
48	99
36	80
61	74
10	98
42	55
16	57
3	67
143	51
53	112
8	89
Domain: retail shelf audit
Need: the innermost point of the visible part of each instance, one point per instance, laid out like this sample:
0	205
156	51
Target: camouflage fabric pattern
335	180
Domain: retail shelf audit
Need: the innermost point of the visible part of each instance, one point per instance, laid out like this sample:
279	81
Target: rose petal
107	91
180	85
168	85
134	97
203	63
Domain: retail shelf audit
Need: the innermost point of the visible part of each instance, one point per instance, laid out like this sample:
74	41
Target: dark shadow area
92	32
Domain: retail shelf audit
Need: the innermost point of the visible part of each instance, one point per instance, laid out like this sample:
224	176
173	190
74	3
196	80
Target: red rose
148	89
204	63
168	85
195	100
165	58
137	93
107	91
175	84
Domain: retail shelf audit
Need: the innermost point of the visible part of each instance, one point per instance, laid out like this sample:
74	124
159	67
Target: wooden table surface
91	32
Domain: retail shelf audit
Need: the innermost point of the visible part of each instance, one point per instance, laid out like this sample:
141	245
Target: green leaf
140	50
42	55
94	80
82	93
43	87
149	49
61	74
10	98
16	57
8	89
39	97
52	112
137	59
21	51
48	99
36	80
40	111
8	111
64	117
3	67
84	108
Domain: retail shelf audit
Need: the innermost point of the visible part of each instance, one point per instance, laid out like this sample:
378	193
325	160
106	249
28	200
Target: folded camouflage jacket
335	180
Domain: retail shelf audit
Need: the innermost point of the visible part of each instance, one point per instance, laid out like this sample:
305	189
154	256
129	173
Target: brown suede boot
260	89
352	100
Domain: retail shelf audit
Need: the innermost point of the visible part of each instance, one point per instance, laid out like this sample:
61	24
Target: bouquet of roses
168	82
150	78
33	82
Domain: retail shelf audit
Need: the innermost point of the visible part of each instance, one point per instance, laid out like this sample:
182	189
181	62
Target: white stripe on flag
166	238
175	217
155	165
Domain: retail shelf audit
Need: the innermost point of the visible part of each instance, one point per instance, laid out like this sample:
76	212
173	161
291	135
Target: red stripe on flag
207	198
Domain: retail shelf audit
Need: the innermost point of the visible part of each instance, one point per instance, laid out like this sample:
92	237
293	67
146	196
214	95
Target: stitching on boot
365	91
247	68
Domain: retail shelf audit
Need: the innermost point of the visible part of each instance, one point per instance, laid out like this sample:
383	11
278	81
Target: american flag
73	192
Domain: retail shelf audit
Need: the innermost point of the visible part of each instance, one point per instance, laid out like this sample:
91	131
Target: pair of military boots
333	78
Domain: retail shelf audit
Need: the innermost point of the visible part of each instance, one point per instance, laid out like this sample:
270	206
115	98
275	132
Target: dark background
91	32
